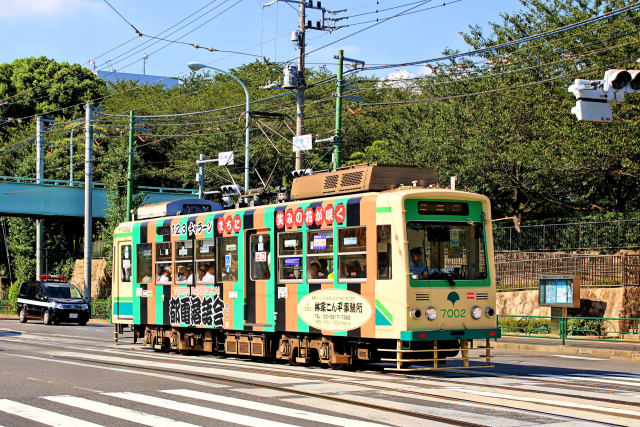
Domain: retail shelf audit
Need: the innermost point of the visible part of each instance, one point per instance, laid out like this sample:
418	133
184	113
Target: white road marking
566	356
600	379
137	417
567	404
265	407
576	378
202	411
41	415
123	370
181	367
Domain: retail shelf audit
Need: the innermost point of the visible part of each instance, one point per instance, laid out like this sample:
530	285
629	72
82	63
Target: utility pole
88	205
39	177
200	177
299	38
130	168
337	140
300	83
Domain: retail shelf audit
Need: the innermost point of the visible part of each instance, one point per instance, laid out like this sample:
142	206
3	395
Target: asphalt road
71	375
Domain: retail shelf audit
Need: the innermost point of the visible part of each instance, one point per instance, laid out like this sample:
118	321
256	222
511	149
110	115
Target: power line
496	90
125	19
474	52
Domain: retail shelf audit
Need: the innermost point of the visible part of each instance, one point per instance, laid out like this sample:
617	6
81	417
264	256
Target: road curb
10	316
564	349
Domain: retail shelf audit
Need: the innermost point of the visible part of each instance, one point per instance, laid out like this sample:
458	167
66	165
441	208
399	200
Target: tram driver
417	267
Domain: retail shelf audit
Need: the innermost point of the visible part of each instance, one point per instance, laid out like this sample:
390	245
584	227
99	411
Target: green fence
618	329
616	234
6	307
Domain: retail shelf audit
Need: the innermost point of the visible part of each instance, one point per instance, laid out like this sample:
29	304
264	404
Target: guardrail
613	329
62	182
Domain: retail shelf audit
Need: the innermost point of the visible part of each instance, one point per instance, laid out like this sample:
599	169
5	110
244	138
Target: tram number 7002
454	313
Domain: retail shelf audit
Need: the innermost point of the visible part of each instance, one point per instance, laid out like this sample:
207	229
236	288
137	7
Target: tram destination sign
559	290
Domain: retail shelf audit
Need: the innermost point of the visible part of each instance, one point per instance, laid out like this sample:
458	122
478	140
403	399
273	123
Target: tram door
123	289
257	273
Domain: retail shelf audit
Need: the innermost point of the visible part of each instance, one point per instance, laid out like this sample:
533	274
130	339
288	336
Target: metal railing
614	329
617	234
63	182
597	271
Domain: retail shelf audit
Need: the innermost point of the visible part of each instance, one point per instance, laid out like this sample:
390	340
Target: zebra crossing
178	407
161	408
214	391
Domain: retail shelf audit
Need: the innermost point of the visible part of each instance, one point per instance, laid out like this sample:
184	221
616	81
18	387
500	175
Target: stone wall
594	302
100	283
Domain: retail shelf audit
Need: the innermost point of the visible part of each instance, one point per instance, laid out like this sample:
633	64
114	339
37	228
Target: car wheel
82	322
56	322
22	316
46	318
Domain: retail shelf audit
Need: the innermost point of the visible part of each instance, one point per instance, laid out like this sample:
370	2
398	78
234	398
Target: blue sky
79	30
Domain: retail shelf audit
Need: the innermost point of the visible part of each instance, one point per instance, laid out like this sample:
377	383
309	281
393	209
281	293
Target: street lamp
195	66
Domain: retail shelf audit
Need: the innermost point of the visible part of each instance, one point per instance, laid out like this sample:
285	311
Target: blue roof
114	76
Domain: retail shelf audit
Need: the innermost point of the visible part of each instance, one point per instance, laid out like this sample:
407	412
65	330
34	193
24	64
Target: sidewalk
622	350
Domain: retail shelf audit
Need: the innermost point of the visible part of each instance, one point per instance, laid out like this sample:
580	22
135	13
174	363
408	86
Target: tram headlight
489	312
476	312
416	313
431	313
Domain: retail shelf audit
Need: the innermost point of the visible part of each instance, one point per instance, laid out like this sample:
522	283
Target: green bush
13	295
101	309
582	327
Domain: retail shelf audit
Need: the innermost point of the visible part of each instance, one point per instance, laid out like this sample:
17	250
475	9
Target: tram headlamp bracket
516	221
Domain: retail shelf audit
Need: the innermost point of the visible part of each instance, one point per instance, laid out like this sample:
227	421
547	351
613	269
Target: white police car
52	300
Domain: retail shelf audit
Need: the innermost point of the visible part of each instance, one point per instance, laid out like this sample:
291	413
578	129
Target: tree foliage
500	121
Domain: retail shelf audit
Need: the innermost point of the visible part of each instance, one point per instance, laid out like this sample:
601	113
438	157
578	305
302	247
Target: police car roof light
50	277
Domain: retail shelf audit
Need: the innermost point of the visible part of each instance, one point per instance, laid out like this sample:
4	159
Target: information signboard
559	291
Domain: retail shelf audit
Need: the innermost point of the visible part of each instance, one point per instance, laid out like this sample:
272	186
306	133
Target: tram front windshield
446	251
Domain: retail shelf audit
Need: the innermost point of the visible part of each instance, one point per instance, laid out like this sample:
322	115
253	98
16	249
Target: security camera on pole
594	97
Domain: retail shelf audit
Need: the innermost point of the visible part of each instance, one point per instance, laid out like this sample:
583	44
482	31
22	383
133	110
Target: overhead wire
540	35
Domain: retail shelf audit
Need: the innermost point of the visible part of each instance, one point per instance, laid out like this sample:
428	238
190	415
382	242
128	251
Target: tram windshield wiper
448	276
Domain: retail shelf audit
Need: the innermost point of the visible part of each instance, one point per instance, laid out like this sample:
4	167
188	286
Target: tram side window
227	259
290	257
125	263
163	263
260	261
143	263
352	253
184	258
320	256
384	252
206	260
